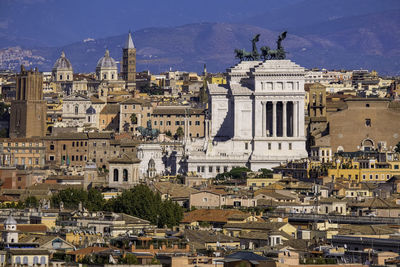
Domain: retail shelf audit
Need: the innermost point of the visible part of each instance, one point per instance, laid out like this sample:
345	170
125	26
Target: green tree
92	199
141	202
129	259
265	173
31	202
168	133
179	133
133	118
397	148
95	200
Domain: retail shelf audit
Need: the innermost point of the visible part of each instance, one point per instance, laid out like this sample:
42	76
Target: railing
337	218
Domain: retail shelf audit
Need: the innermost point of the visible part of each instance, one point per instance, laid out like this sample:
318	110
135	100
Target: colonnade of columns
280	118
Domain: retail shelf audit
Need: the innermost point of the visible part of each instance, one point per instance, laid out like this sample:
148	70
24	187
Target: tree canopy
397	148
235	173
141	202
91	199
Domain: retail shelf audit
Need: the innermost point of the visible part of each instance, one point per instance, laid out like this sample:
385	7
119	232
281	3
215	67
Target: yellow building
365	170
217	80
80	238
28	152
263	182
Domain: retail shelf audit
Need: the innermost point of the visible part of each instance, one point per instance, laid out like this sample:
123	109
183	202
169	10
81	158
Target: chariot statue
266	52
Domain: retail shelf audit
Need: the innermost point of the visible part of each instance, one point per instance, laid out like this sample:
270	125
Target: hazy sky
59	21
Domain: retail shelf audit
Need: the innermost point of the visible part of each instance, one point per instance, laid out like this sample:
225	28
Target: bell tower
28	111
129	64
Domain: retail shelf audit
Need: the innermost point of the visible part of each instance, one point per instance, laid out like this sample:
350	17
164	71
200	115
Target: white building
77	111
257	119
151	163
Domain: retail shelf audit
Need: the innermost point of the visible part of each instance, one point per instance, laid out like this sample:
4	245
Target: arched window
104	76
76	110
112	76
88	119
36	260
43	260
116	175
60	77
25	260
125	175
18	260
67	77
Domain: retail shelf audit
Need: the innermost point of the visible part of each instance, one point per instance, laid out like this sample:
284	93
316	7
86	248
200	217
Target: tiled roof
124	159
110	109
267	226
208	237
87	250
174	190
95	100
29	228
100	135
132	220
31	251
68	136
209	215
177	111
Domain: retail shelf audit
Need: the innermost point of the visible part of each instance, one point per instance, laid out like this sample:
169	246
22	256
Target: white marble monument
255	120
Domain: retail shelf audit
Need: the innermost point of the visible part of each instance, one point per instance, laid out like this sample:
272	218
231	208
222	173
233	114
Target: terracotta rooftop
29	228
209	215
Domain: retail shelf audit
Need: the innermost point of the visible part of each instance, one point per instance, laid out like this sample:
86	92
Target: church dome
90	110
106	62
10	221
62	63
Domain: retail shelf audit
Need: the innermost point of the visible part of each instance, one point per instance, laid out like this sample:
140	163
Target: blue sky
58	22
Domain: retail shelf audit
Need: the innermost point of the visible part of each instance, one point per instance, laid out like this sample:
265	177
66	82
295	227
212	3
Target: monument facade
255	120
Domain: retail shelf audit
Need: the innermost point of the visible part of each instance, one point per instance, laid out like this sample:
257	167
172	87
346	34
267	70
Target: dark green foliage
12	205
4	111
265	173
179	133
3	133
397	148
133	118
153	90
168	133
31	202
141	202
92	199
235	173
94	259
128	259
155	261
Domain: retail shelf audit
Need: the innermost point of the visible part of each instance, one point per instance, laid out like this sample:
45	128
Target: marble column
301	118
284	119
295	119
274	117
263	130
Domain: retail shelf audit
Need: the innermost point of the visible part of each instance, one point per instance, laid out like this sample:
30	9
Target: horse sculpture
268	53
242	54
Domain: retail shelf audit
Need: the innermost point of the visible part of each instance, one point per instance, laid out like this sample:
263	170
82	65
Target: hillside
349	43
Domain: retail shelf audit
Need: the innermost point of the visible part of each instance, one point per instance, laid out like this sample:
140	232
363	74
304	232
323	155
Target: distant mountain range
351	41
